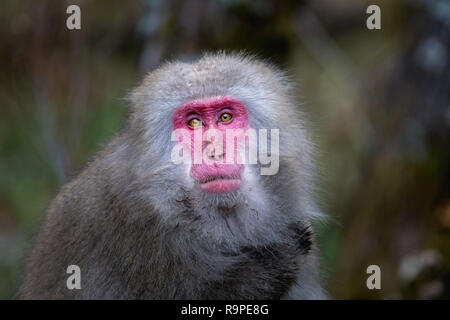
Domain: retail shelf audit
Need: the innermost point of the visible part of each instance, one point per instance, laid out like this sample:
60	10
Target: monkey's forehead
258	86
220	72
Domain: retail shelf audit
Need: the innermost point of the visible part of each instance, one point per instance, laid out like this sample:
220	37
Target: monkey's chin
221	185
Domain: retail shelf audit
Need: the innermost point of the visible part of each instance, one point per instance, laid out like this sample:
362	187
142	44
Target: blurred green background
378	103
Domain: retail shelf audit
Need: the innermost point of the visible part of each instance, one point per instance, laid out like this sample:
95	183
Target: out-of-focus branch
324	49
56	153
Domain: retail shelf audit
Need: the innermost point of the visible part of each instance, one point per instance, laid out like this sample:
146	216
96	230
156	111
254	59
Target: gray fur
136	228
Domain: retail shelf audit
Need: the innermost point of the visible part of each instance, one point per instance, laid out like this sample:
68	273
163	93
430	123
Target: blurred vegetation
378	102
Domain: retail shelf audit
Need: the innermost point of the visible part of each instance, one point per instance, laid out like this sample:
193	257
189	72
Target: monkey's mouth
220	184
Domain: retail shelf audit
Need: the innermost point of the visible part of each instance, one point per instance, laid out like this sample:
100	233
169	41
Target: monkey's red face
222	173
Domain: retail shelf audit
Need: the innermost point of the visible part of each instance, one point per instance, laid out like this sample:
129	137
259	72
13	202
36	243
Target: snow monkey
139	224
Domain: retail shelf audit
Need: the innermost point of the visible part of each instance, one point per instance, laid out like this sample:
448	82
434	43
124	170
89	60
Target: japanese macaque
140	225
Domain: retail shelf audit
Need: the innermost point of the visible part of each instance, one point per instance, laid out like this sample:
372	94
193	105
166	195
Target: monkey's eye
225	117
195	122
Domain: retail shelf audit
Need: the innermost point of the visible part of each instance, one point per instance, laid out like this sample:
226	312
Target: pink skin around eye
214	177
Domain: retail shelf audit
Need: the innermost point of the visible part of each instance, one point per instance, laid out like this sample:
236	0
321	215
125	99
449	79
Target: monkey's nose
216	155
